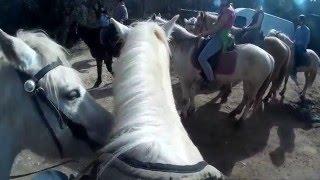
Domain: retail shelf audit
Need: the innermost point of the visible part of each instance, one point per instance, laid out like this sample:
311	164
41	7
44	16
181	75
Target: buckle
29	86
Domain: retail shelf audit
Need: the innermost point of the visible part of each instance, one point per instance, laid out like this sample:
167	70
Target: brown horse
310	69
101	53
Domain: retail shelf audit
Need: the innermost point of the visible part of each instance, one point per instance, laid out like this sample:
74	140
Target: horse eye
74	94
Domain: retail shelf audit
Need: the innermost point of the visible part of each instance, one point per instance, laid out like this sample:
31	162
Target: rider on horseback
104	23
302	39
220	36
252	32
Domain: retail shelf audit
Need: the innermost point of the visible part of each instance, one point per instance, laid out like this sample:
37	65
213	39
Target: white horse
149	139
23	115
310	70
254	67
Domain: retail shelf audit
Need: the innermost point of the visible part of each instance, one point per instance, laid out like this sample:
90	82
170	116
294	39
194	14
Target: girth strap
163	167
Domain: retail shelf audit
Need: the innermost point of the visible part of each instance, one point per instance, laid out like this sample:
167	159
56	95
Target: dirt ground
273	144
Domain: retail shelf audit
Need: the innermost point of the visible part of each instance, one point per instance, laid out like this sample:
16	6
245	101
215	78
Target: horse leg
186	99
310	77
284	86
240	107
226	90
108	63
251	94
99	73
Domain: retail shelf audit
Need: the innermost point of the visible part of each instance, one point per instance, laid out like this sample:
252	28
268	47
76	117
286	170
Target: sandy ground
274	144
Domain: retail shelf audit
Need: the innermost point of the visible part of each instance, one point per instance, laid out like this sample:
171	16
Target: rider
219	34
104	23
252	32
120	12
302	39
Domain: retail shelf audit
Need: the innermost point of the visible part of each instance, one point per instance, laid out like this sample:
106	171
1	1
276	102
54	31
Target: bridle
38	94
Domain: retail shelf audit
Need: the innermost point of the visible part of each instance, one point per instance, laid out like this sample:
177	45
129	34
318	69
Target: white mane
44	45
146	117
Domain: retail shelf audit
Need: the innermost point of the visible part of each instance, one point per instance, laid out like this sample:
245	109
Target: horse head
52	92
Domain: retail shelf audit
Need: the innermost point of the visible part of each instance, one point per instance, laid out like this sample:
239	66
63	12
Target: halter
37	94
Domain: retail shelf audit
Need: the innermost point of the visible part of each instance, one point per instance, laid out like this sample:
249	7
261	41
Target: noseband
37	94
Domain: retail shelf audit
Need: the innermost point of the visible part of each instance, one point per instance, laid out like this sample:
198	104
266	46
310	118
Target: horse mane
281	36
46	47
143	98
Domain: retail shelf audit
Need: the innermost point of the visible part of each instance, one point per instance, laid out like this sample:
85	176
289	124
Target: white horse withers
310	70
22	123
254	68
149	140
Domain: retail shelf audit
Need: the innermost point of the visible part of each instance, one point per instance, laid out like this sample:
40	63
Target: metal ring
29	86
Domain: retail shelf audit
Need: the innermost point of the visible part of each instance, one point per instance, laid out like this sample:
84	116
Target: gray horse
44	107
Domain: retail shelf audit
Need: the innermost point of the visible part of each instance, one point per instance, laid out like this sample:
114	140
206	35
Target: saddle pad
226	63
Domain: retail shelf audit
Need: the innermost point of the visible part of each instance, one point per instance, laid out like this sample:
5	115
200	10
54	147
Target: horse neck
145	108
15	113
88	35
155	82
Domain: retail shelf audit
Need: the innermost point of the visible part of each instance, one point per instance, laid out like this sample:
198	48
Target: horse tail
314	56
265	84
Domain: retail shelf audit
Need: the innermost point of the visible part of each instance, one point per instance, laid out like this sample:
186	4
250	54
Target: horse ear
202	13
153	17
185	21
168	27
122	30
16	51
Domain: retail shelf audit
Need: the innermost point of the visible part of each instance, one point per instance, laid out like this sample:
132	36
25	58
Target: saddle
222	63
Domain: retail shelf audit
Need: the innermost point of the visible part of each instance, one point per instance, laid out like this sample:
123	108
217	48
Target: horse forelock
47	48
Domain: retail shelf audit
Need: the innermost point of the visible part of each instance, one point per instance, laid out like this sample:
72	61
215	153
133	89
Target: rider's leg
213	46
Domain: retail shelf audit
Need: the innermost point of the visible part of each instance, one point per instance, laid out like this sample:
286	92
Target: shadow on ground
83	66
223	145
101	92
